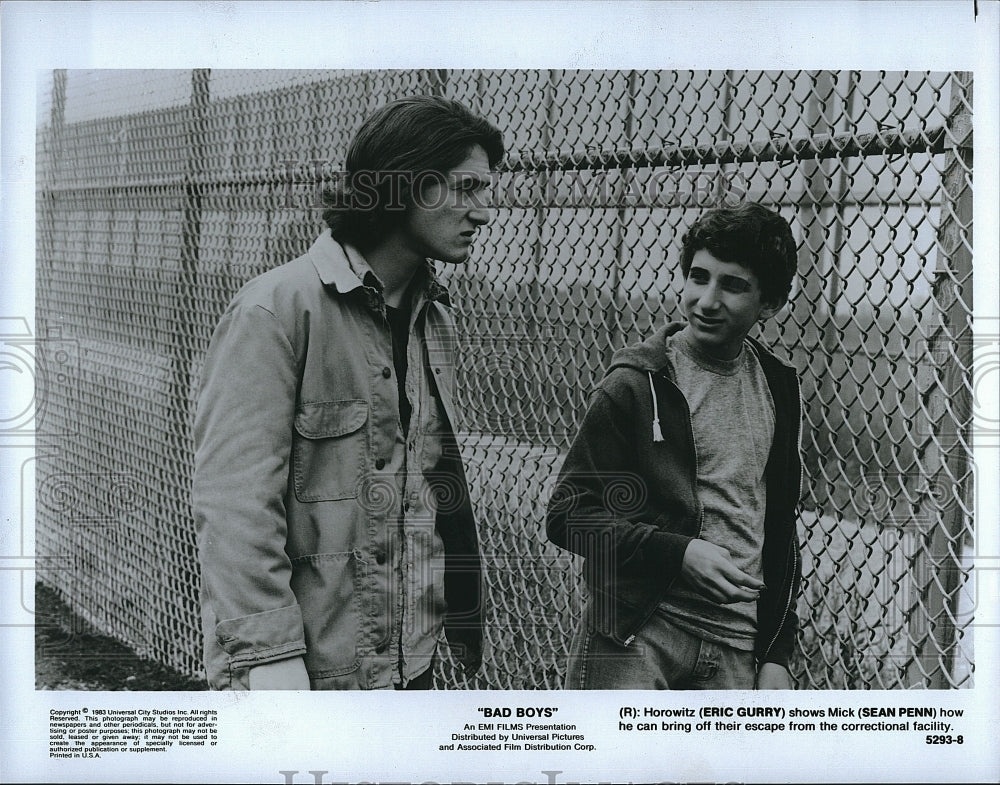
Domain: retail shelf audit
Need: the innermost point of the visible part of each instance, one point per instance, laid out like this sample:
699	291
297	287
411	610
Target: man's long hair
406	142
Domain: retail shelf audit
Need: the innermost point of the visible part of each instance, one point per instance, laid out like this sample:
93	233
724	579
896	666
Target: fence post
613	332
187	285
48	171
50	398
812	309
533	312
57	123
945	455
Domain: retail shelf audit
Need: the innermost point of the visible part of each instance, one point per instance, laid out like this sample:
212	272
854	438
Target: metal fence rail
160	193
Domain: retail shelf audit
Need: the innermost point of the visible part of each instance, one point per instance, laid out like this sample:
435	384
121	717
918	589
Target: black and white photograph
635	414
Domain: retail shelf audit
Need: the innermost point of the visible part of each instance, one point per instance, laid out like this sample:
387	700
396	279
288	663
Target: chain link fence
161	192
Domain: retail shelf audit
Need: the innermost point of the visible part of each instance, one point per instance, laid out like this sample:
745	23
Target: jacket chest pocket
329	450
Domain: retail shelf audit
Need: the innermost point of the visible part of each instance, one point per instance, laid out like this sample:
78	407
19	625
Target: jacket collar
344	268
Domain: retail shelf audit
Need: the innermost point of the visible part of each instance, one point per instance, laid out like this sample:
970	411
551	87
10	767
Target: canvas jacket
626	498
297	465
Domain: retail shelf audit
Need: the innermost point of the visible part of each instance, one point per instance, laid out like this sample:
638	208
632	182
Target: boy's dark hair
395	147
752	236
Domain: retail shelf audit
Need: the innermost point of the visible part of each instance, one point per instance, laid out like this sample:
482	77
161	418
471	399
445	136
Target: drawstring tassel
657	433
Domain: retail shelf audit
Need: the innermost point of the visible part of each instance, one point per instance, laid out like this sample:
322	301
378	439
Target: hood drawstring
657	433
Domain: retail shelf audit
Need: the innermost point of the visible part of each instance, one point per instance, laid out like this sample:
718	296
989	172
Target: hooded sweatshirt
627	497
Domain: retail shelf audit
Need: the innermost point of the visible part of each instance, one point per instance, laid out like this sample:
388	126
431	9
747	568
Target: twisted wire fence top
162	192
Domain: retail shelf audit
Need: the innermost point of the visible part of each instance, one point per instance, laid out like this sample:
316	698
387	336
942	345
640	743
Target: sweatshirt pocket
329	450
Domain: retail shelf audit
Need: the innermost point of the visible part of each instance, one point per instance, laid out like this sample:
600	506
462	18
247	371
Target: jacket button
380	557
386	372
380	463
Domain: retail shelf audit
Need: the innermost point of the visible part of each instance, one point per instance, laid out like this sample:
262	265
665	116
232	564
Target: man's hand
709	568
772	676
287	674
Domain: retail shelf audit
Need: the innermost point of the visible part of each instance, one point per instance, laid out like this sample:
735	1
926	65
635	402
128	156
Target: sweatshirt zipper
694	451
694	481
701	513
788	602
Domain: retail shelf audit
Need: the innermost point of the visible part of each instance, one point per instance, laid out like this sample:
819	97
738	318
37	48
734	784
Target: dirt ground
69	656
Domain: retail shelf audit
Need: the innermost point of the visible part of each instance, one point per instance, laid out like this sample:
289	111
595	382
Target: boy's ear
768	310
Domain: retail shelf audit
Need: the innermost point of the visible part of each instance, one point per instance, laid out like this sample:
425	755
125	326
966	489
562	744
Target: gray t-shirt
732	416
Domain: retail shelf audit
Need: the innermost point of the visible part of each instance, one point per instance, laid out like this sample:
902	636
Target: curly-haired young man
680	490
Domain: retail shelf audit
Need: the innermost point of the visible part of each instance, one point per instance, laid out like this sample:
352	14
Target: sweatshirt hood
648	355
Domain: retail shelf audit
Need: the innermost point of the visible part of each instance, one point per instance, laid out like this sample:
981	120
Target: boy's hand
287	674
709	568
772	676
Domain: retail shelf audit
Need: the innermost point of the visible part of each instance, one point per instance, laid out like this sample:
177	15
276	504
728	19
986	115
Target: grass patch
69	655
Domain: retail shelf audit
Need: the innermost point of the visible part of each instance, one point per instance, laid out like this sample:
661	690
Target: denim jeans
662	657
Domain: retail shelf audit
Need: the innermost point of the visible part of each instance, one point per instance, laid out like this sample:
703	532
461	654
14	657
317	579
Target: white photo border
282	737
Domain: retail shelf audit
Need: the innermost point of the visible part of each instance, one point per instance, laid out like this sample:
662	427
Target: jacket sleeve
243	433
598	508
